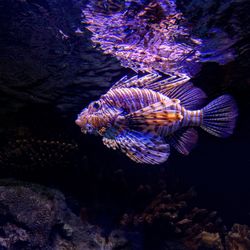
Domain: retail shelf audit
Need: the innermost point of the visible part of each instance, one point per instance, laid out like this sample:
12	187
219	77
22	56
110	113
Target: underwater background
61	189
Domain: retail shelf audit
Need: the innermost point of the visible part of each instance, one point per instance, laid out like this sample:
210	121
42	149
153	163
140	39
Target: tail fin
219	116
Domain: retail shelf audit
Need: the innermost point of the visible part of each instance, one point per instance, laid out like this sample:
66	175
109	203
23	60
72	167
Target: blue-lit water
49	72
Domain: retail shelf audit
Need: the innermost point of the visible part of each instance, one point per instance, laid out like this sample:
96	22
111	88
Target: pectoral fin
157	114
140	147
110	143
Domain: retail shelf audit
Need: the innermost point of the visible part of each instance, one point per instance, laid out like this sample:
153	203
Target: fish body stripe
132	99
192	118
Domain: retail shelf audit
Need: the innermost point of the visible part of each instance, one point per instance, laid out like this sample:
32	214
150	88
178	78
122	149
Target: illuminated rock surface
45	57
145	37
151	36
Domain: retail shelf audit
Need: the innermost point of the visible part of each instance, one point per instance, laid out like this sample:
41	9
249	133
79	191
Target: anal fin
183	140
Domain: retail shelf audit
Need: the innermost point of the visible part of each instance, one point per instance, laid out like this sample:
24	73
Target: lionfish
143	116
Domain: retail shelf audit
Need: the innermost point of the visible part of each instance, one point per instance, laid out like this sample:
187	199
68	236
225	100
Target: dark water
46	79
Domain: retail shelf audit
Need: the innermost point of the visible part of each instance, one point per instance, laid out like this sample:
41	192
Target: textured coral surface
35	217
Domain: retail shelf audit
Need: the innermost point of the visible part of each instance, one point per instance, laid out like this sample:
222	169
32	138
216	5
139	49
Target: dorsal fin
174	87
110	143
135	82
190	97
149	81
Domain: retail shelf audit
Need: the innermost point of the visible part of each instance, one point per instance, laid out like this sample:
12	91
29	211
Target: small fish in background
143	116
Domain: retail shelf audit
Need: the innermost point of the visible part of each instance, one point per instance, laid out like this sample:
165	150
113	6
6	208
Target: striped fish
143	116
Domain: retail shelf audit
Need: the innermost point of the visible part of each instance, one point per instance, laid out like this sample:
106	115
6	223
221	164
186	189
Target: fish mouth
88	129
79	122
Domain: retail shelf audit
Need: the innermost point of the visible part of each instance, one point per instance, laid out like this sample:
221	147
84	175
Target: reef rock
176	216
34	217
206	240
46	57
170	216
238	238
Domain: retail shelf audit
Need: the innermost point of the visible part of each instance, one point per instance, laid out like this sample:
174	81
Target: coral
206	240
238	238
34	217
145	37
173	218
118	239
174	212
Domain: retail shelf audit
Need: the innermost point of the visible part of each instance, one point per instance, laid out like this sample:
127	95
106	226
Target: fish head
98	116
83	121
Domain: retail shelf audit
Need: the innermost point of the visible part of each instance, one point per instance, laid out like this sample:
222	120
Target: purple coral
144	37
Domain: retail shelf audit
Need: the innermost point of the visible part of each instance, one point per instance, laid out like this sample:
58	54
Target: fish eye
96	105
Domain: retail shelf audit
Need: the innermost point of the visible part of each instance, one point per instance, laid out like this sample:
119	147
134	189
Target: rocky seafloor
63	190
37	217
